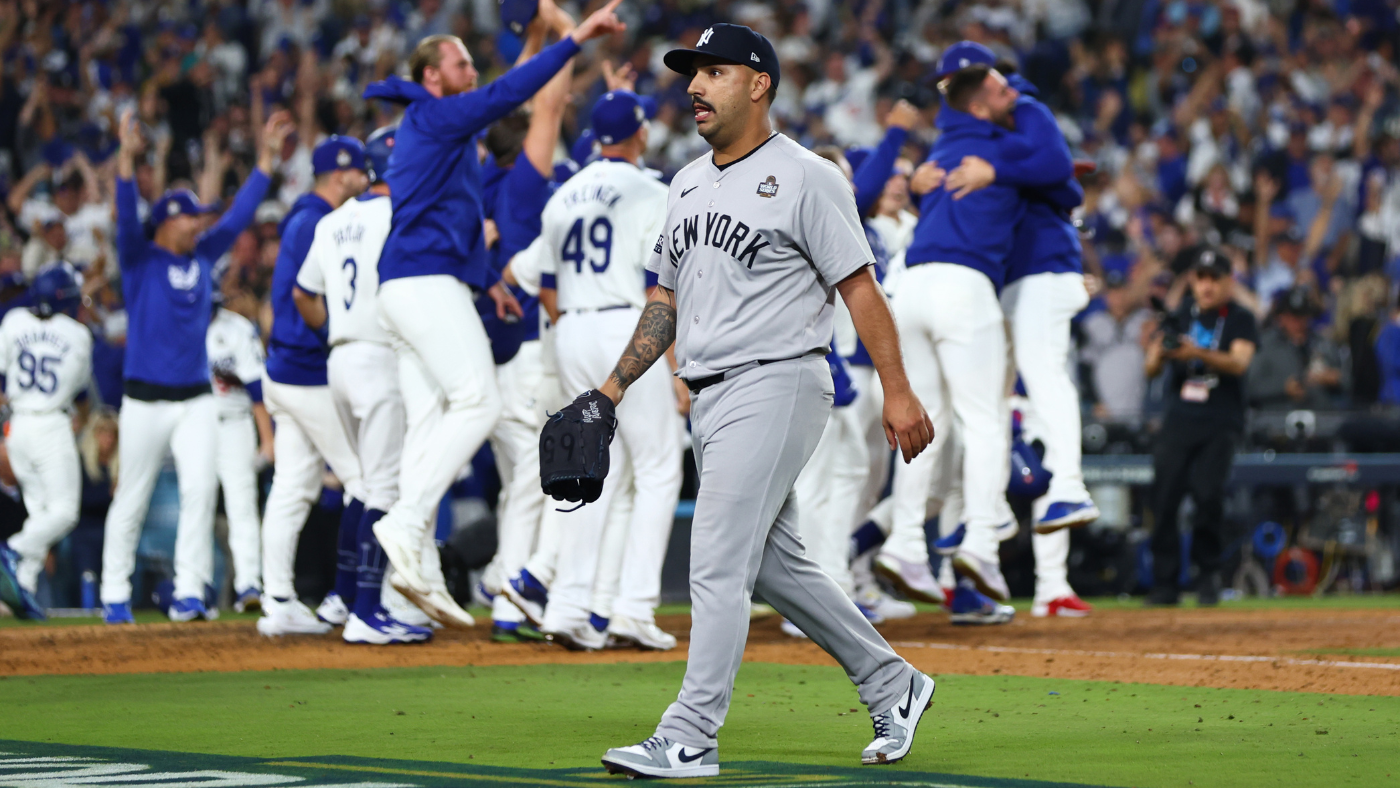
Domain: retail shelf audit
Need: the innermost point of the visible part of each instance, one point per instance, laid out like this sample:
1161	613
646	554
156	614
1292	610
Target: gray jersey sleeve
829	230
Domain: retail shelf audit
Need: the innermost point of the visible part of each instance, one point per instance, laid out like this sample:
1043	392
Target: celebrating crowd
1267	131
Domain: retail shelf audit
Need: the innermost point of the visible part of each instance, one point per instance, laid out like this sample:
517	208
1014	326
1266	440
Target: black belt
699	384
598	309
155	392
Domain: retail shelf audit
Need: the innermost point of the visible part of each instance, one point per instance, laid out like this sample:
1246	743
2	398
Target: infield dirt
1299	650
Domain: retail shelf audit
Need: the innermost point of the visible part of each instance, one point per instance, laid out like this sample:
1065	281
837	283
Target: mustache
697	102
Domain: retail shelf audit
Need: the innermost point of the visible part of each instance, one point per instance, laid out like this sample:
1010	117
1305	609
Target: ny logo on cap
342	159
705	37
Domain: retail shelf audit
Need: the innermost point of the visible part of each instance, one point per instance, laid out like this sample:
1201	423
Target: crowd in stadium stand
1268	129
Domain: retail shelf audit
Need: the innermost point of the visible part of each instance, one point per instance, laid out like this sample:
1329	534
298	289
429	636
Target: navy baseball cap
964	54
378	148
618	115
338	153
178	202
516	15
735	43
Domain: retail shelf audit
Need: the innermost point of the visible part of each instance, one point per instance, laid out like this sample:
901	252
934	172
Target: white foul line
1324	663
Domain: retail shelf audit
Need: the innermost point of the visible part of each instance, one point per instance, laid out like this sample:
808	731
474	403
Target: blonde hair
102	417
429	53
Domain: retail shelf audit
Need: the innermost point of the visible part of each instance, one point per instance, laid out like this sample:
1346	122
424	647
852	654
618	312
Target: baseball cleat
117	613
333	610
582	636
985	574
894	729
883	605
249	599
969	606
440	607
405	554
381	630
870	615
12	592
528	594
913	578
792	630
660	757
189	608
1062	514
639	633
289	618
515	632
1062	607
404	611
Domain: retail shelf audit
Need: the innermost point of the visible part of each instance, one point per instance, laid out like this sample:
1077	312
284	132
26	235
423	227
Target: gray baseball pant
754	433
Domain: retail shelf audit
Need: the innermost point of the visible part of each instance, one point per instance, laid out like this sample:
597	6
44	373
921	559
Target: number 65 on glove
574	448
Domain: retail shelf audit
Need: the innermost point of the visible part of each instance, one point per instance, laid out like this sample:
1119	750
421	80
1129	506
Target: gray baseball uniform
753	251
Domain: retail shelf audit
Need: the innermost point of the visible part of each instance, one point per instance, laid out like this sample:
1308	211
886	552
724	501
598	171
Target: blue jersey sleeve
131	236
876	169
1036	154
465	114
219	238
1067	196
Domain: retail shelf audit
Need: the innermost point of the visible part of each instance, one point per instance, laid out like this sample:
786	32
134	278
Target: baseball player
525	151
434	255
46	356
947	303
599	230
336	286
310	434
167	401
757	237
1044	290
236	369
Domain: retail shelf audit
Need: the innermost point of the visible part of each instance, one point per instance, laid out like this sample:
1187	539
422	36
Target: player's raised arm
131	236
656	331
236	219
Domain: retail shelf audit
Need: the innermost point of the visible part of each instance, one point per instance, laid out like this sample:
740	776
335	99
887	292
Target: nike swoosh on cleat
688	191
683	758
909	702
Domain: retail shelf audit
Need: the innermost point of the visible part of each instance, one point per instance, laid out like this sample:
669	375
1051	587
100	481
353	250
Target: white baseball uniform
47	363
343	265
236	351
599	230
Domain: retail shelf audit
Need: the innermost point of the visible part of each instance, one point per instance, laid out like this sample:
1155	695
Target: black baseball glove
574	448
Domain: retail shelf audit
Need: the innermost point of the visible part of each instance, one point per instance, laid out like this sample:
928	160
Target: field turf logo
31	764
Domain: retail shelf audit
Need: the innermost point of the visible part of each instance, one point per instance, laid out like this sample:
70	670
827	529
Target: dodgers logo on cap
342	159
173	209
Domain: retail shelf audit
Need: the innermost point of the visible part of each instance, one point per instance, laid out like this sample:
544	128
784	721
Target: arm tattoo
655	332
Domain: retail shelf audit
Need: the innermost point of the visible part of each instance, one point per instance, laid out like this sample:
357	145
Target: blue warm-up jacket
434	176
1046	240
296	355
970	231
167	296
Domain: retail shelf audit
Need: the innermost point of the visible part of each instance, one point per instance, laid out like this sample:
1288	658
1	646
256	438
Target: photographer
1207	344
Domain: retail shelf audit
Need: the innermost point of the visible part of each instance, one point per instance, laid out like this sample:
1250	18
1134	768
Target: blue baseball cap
516	15
177	202
964	54
734	43
338	153
856	156
618	115
378	148
582	152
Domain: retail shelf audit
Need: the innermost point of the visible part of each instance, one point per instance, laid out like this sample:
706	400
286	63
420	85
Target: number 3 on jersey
38	373
350	270
600	235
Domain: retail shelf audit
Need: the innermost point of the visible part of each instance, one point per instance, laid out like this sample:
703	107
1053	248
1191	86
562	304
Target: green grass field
565	716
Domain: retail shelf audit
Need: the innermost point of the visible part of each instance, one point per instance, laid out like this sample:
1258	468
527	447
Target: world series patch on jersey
753	251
